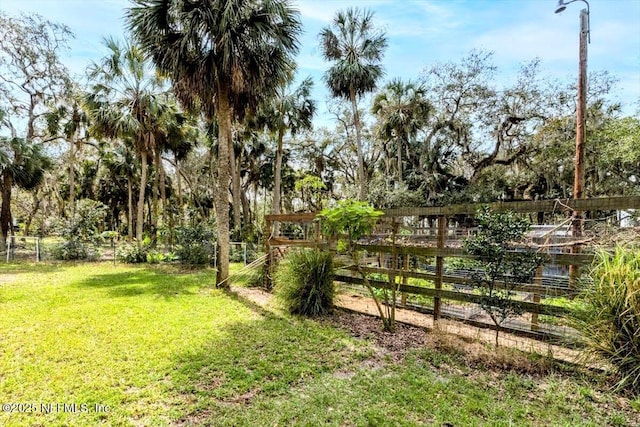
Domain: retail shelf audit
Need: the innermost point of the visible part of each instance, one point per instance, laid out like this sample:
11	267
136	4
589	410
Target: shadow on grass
267	355
29	267
162	282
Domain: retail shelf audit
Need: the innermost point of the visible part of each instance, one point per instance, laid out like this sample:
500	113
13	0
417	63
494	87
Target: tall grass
304	282
610	320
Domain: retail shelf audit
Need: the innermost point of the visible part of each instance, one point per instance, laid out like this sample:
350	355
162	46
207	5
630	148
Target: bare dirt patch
394	345
256	295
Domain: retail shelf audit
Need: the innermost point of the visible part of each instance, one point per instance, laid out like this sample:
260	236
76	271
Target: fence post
266	272
37	248
437	303
316	233
244	244
394	267
405	280
536	297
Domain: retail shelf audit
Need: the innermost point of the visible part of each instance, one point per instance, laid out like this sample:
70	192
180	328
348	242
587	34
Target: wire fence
419	252
39	249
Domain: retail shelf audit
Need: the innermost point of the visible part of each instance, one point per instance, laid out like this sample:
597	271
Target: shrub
81	232
170	257
500	269
352	220
304	282
132	253
195	244
610	319
155	257
74	249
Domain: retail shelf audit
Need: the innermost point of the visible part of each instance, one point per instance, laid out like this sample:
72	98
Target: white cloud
319	11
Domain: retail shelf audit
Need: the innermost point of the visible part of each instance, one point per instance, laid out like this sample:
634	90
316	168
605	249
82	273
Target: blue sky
420	33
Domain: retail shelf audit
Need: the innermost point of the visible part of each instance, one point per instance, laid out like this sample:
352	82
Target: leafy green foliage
355	48
132	253
610	317
82	233
155	257
354	220
351	218
304	282
498	269
72	249
196	245
311	189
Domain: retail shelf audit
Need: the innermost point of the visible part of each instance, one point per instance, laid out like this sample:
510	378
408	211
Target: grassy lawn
153	346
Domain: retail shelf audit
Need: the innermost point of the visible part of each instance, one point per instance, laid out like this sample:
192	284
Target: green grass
159	346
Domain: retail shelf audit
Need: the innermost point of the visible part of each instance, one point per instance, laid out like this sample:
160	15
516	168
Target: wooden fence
437	254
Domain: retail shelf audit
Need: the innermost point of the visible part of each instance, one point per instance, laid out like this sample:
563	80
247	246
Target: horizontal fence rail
526	306
464	281
557	205
560	258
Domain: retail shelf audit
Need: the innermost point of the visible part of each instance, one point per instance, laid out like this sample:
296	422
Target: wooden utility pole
578	180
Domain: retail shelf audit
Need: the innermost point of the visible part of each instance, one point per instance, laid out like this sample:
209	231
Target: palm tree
120	160
290	111
355	48
70	121
128	102
402	109
22	164
223	58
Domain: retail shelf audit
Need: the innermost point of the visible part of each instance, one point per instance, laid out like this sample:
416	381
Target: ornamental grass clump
610	319
304	282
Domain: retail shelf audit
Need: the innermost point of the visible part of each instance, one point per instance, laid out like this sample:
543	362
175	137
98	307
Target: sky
420	33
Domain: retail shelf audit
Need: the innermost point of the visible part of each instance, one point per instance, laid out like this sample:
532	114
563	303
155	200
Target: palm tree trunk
400	160
277	182
129	210
356	123
222	195
153	218
72	179
5	209
235	187
143	186
179	188
163	190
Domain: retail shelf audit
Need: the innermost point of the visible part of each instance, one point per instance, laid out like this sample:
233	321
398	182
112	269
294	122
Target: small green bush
610	319
196	245
170	257
81	233
500	269
132	253
74	249
304	282
155	257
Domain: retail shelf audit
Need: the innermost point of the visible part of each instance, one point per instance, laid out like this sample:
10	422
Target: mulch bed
395	345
